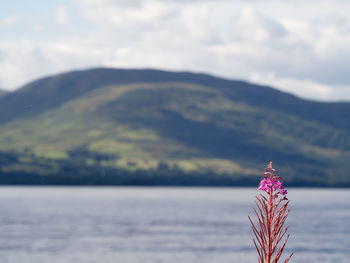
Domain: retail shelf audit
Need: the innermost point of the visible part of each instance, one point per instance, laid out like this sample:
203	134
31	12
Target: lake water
154	225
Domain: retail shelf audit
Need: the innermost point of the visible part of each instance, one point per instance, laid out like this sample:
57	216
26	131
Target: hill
157	127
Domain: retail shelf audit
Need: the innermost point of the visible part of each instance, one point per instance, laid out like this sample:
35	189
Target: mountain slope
149	119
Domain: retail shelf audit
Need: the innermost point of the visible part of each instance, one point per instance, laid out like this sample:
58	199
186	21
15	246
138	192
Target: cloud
302	49
310	89
25	59
125	14
252	26
109	3
61	14
10	19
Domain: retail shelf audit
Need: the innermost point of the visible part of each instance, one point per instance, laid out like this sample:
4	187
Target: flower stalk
271	212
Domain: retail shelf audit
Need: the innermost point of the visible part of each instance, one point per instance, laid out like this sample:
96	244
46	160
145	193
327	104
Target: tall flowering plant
271	212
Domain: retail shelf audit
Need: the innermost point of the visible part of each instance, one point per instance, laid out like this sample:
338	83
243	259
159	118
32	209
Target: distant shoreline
158	186
114	181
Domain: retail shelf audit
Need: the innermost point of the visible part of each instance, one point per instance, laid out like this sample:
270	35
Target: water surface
170	225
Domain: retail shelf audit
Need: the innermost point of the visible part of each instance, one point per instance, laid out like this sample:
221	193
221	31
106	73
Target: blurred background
196	93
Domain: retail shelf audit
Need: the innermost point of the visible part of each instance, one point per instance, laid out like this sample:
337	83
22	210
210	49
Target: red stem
269	230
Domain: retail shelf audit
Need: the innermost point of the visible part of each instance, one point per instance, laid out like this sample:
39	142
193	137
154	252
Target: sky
298	46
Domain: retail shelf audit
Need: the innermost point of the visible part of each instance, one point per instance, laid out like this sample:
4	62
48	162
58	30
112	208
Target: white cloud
309	89
26	58
123	15
10	19
303	49
252	26
61	14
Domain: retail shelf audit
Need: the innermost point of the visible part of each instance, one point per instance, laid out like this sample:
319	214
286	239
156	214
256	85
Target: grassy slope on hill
192	122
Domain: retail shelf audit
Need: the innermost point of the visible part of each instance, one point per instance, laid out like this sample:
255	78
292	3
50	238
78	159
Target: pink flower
271	182
271	211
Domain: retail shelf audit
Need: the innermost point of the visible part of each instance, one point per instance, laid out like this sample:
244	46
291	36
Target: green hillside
144	123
